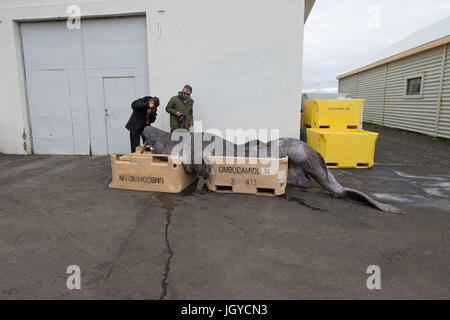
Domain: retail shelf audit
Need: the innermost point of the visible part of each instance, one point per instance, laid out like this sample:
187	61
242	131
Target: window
414	86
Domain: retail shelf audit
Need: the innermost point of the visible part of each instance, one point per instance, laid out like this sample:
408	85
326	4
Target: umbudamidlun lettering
244	170
139	179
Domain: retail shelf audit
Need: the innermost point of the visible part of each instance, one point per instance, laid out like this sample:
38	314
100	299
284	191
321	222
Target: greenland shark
305	164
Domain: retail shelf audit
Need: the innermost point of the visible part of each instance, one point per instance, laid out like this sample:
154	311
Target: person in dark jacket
144	113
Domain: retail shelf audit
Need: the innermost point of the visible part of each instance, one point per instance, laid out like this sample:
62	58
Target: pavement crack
123	246
122	249
169	206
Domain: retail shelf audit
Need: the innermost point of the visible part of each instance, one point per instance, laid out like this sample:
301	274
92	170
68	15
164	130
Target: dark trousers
135	140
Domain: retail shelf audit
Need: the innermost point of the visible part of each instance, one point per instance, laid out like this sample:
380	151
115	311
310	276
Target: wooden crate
149	172
260	176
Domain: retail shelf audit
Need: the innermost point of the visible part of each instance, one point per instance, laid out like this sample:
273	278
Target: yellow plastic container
343	148
333	114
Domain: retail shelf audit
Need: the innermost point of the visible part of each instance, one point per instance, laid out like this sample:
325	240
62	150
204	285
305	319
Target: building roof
308	7
430	37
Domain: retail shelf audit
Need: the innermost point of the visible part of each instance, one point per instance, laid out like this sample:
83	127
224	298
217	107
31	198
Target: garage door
80	83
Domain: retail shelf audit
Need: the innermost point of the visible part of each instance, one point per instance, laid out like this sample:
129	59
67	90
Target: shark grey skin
305	164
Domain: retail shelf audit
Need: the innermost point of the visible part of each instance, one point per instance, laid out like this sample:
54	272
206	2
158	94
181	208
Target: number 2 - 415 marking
249	182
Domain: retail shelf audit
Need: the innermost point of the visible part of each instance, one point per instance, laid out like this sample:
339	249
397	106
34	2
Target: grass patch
441	141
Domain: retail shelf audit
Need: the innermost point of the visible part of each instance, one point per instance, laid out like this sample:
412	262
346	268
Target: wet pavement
57	211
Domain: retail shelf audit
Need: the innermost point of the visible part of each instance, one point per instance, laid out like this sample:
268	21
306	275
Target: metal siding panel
444	116
53	61
414	114
348	85
51	111
371	88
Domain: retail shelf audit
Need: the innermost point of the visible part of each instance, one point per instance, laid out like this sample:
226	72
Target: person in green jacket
180	109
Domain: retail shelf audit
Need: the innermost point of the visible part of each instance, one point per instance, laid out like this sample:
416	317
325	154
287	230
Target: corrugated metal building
408	85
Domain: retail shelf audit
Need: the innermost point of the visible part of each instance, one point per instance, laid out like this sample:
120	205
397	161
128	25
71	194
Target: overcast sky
341	35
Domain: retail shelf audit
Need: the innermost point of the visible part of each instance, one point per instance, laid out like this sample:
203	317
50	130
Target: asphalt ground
57	211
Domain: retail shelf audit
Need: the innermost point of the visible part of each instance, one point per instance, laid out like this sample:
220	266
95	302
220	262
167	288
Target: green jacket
177	103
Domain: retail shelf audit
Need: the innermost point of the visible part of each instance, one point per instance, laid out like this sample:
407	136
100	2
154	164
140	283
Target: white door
74	76
118	92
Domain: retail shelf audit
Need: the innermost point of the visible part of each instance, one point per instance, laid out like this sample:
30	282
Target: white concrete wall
242	58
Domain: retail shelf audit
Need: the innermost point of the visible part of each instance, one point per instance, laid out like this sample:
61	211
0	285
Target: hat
188	87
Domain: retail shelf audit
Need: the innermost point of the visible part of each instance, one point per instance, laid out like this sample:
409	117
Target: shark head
157	139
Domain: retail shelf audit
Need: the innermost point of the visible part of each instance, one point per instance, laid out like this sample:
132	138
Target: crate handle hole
324	127
265	190
352	127
161	159
224	188
331	164
362	164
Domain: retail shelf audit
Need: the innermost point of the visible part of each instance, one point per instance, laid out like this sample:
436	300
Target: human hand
178	113
151	104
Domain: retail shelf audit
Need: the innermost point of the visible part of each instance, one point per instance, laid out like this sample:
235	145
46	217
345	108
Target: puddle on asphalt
433	188
423	189
401	198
